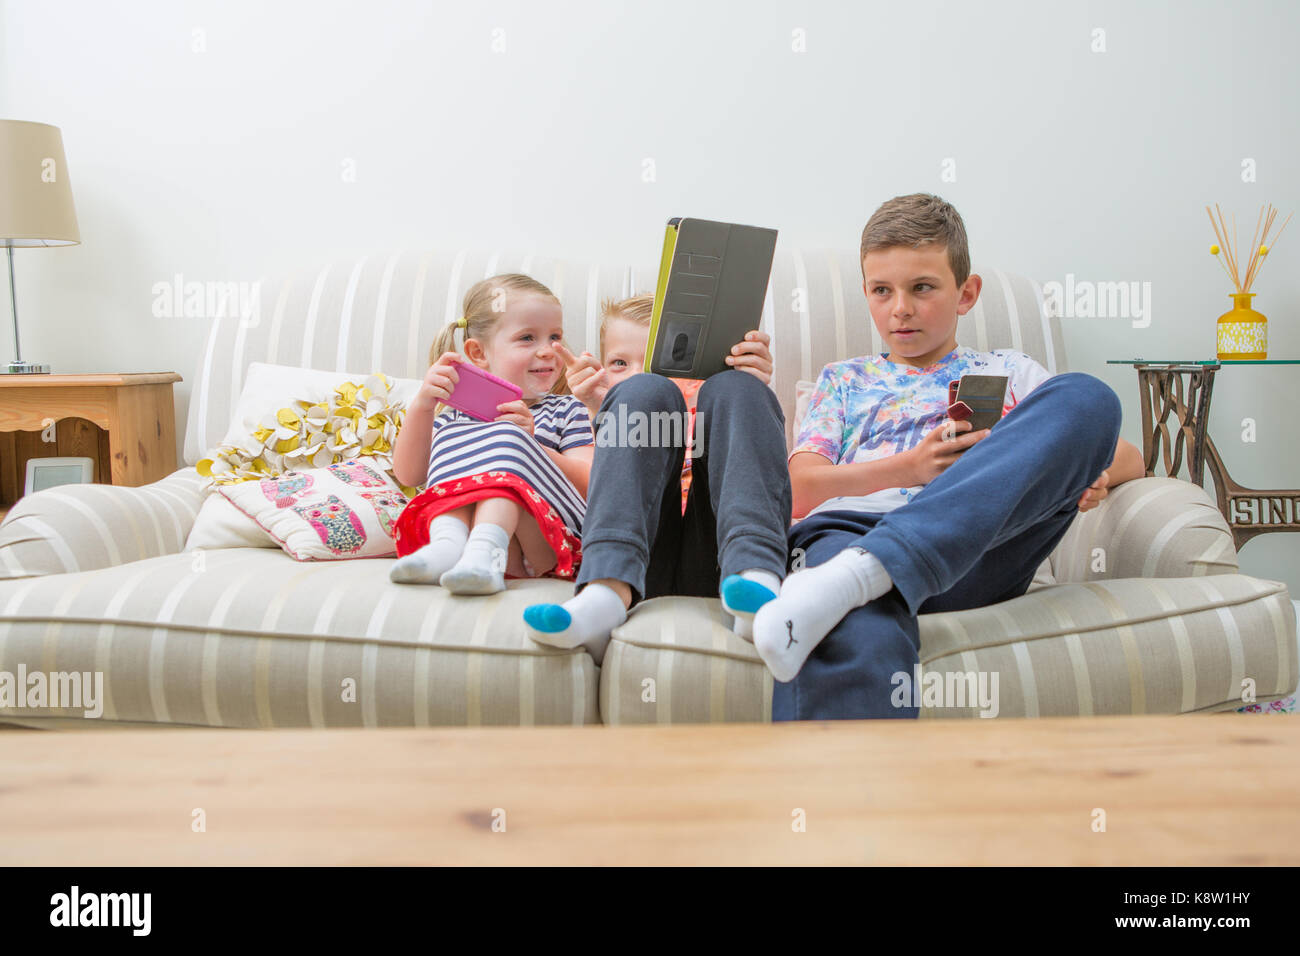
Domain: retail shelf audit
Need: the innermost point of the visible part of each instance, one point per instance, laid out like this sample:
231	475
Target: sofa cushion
1175	645
1147	528
346	510
294	418
219	524
676	661
248	637
82	527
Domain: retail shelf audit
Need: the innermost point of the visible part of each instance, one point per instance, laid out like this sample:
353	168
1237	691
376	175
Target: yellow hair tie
461	323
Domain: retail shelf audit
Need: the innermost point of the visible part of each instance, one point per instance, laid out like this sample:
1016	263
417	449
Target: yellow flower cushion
332	417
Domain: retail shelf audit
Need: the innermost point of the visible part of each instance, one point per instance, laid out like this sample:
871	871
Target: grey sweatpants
737	512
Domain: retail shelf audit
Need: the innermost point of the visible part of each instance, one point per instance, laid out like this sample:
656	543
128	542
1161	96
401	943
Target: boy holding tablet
640	539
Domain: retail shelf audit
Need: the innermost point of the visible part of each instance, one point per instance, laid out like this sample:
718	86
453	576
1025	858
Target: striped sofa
1140	609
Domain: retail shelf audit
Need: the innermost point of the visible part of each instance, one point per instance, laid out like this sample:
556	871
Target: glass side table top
1140	361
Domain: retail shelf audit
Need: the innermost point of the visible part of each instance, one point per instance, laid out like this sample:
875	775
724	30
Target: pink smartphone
478	393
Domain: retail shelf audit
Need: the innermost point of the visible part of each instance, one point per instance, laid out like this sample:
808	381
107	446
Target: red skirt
411	532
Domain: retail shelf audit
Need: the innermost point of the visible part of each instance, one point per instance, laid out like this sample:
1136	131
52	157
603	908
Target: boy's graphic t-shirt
870	408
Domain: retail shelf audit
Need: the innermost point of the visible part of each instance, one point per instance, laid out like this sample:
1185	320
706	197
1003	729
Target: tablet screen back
713	280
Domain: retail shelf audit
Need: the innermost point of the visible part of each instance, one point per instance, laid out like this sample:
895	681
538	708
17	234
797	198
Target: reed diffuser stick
1224	266
1254	246
1220	228
1256	255
1222	243
1266	244
1261	240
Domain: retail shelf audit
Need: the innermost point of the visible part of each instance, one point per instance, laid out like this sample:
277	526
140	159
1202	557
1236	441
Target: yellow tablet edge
665	267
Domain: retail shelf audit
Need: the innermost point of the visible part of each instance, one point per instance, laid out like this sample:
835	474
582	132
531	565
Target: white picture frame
45	473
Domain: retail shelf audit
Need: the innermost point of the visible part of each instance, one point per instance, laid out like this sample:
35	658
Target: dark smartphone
978	399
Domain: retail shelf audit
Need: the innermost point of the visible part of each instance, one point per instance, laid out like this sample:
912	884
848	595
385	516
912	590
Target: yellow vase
1242	333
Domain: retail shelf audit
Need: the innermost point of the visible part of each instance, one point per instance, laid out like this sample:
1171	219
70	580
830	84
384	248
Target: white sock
447	536
586	618
742	601
811	603
482	567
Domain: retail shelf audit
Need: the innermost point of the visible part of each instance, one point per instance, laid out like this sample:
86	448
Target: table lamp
35	205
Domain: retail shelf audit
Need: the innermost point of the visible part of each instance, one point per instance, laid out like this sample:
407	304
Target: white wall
226	164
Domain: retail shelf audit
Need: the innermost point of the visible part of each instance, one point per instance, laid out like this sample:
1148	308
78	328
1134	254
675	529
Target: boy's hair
637	309
485	303
917	220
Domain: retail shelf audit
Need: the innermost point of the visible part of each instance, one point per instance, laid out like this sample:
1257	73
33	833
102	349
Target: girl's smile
522	347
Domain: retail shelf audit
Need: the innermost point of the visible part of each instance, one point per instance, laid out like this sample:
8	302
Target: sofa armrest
1147	528
86	527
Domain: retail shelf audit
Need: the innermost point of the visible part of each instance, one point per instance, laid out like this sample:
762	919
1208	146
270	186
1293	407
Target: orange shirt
690	388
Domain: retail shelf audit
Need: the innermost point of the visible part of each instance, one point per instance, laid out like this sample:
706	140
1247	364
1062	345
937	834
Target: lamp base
25	368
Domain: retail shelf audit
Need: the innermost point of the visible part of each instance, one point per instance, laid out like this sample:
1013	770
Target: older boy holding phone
908	510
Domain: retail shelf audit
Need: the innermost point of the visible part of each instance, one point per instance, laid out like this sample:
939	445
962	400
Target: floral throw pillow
345	510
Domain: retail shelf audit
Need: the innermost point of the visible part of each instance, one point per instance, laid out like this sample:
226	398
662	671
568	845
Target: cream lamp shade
35	203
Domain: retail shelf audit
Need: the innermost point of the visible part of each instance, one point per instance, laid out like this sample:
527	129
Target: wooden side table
125	423
1184	389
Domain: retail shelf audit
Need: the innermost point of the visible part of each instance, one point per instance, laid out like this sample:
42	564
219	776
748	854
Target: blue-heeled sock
587	619
744	593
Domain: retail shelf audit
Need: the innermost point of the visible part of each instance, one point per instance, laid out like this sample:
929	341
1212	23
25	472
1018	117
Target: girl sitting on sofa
504	497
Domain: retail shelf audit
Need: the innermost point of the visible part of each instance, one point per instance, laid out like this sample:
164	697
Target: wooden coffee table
1218	789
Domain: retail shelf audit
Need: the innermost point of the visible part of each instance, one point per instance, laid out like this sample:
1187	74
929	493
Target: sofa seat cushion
1131	646
248	637
676	661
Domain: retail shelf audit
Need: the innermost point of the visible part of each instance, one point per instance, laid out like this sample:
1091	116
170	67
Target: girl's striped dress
470	460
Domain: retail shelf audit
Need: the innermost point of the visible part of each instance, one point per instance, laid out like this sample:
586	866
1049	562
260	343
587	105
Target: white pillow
269	387
219	524
346	510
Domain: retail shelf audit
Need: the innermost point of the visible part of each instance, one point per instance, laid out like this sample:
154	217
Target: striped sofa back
381	313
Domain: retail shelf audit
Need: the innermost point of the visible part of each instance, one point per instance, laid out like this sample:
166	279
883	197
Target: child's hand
937	451
1094	494
517	412
752	356
438	382
587	379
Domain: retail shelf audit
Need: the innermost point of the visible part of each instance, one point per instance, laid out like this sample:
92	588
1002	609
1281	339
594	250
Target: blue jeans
974	536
